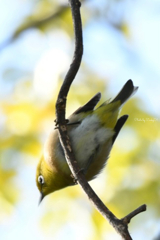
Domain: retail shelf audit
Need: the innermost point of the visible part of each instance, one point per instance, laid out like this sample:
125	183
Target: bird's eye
41	179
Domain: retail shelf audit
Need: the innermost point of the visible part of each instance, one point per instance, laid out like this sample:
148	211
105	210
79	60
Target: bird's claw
57	123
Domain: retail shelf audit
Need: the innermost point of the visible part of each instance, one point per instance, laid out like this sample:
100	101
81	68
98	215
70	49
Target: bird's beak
41	198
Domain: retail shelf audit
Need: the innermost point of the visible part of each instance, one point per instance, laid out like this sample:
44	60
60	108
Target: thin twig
121	225
138	210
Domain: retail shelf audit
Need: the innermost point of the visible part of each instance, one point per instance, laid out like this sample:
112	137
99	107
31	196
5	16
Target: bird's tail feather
126	92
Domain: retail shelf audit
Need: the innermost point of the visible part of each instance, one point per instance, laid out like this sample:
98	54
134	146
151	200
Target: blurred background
121	42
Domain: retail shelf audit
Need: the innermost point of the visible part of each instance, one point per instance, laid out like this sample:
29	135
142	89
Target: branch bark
120	225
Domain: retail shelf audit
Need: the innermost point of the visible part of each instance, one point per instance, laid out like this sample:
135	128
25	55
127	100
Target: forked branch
120	225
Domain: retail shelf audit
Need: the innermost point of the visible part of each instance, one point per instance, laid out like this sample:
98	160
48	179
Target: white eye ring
41	179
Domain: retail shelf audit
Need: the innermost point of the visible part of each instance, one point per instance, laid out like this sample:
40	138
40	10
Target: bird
92	132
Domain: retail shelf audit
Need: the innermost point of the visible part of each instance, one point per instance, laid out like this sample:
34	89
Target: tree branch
138	210
120	225
33	22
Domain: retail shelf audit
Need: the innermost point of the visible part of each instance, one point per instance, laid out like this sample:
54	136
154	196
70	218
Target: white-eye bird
92	133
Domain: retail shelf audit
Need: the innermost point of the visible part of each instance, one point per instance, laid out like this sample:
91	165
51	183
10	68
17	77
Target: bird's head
49	179
44	178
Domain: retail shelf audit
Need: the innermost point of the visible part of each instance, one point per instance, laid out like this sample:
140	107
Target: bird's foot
57	123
